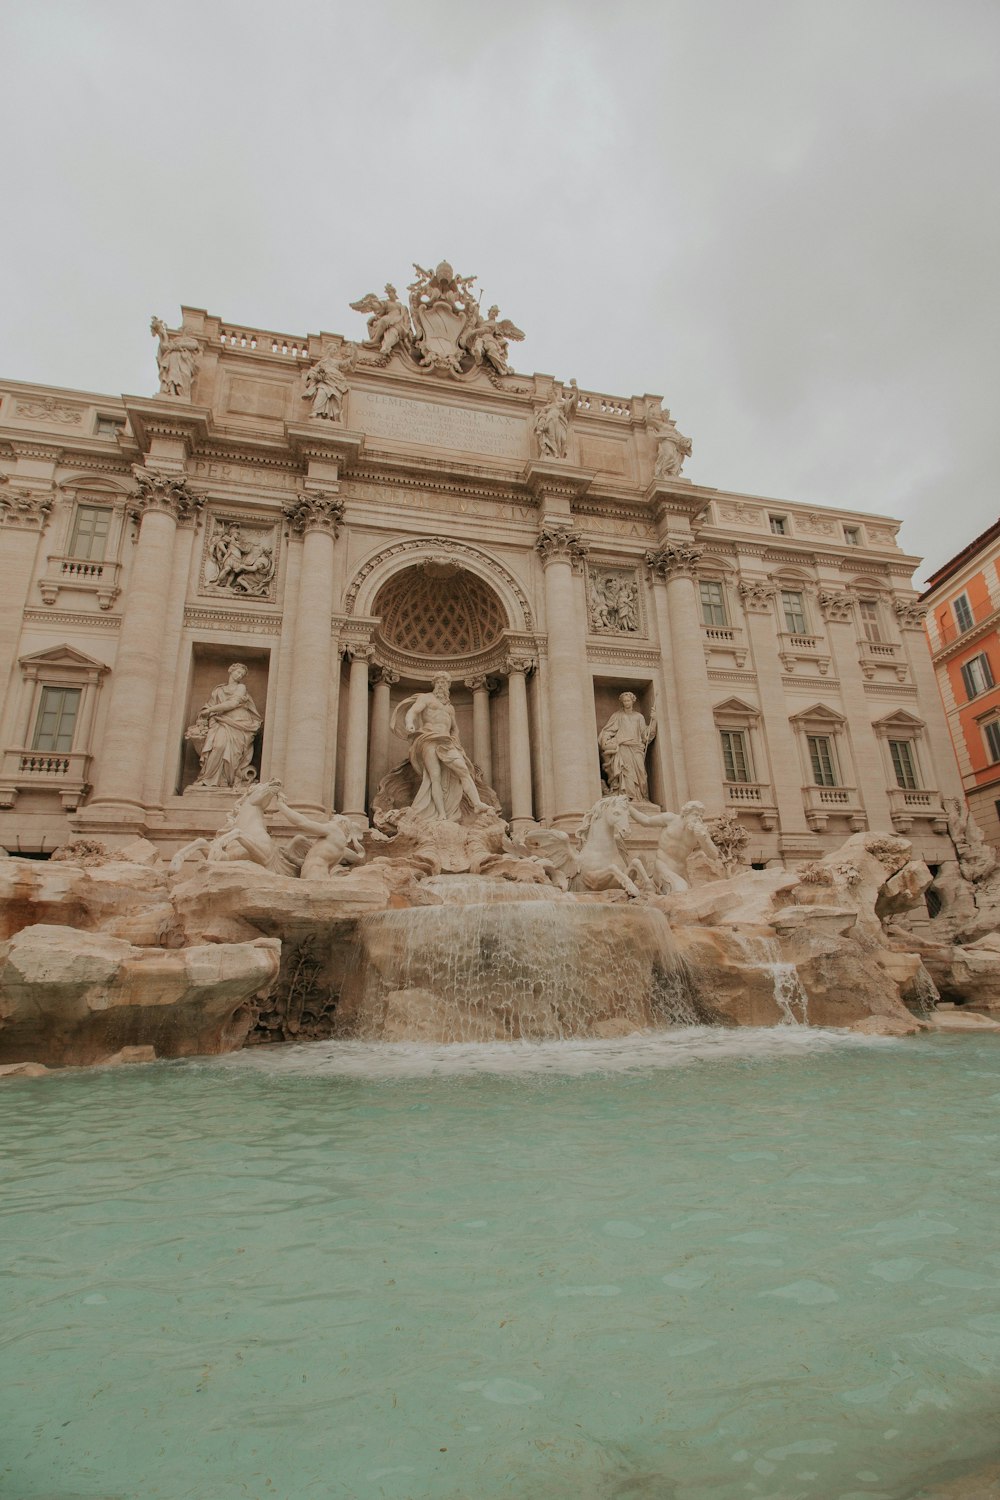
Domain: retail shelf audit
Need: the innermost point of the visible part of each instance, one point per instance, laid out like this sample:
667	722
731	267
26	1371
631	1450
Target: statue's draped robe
622	743
228	747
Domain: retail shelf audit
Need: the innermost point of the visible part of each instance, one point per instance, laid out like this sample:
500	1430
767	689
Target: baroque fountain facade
597	734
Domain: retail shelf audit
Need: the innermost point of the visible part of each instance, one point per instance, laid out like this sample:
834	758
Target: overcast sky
783	217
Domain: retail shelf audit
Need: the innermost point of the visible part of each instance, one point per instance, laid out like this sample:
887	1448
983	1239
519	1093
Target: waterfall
763	953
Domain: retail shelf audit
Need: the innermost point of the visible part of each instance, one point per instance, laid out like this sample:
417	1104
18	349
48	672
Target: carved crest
444	330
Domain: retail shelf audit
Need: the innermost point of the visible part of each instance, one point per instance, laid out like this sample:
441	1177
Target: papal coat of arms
443	329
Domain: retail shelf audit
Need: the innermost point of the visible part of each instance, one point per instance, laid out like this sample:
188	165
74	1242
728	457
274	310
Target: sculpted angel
389	321
552	423
487	340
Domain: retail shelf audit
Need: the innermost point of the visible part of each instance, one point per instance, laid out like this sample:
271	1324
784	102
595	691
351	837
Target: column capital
23	509
477	684
164	490
836	605
910	613
757	595
359	651
674	560
525	664
313	511
382	674
561	544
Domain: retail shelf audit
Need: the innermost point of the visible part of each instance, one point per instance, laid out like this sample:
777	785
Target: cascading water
496	961
763	953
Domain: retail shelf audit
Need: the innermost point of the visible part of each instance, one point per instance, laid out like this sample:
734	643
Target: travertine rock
70	997
889	1026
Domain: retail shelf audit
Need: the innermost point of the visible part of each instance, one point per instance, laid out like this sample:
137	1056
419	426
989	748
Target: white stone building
414	506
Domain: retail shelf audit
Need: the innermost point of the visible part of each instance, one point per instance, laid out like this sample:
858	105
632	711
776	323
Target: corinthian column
378	758
518	668
676	562
356	755
571	712
163	502
315	517
482	752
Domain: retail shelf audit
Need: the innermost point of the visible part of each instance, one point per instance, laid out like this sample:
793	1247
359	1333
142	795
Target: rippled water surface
701	1266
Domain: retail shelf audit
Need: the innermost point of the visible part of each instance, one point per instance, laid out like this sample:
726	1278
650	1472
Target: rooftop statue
552	423
325	385
672	448
176	360
389	322
443	330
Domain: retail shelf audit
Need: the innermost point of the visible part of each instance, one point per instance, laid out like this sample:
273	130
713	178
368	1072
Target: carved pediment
818	714
63	657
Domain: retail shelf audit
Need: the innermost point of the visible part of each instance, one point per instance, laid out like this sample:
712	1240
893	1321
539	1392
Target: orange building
963	628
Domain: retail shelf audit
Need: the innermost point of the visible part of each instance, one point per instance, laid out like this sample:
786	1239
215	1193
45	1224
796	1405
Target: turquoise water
706	1264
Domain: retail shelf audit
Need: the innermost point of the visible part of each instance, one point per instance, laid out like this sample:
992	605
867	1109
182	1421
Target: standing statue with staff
623	743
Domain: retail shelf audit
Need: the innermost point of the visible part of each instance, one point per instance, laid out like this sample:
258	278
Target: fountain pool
700	1263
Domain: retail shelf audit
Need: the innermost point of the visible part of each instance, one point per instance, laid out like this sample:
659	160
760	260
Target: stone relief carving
756	594
561	544
881	536
613	601
314	512
48	410
816	525
443	329
240	559
672	447
176	360
623	743
325	385
227	726
742	515
681	558
836	605
23	508
910	613
552	421
165	490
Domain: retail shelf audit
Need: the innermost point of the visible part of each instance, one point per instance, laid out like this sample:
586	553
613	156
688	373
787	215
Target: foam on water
639	1053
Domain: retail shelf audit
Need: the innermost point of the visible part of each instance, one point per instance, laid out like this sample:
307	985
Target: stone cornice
200	616
551	476
47	452
77	620
168	417
327	441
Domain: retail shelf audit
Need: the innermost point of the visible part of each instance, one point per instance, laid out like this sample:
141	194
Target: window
735	757
56	720
904	764
109	427
713	603
977	676
821	759
795	614
963	613
870	620
91	525
778	525
991	732
852	536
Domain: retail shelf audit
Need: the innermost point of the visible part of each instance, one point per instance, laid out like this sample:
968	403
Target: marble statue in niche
552	423
623	743
240	559
325	385
446	773
672	448
613	602
227	726
176	360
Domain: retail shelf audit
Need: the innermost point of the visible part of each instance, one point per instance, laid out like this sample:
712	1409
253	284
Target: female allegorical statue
228	724
623	743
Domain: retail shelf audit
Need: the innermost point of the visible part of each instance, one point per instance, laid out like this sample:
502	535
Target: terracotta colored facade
963	629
